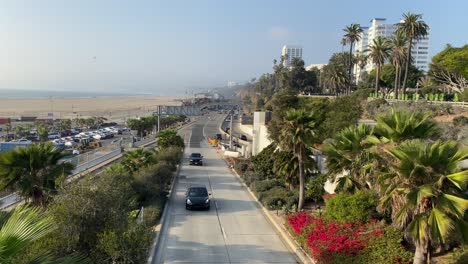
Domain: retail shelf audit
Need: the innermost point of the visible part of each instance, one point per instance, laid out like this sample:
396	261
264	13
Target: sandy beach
114	108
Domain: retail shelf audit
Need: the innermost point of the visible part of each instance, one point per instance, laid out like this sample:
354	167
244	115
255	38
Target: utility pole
159	115
230	133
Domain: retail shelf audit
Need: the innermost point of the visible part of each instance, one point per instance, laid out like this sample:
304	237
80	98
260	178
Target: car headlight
189	202
207	200
191	160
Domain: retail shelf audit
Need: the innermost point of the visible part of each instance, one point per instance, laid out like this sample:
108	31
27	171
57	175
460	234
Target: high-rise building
290	52
380	28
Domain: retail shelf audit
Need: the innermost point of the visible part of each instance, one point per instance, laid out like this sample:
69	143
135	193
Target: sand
114	108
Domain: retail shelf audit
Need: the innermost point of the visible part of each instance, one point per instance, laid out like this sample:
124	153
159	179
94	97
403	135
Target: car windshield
196	155
198	192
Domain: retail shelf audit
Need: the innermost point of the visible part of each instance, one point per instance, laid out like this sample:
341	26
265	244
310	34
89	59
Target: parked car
24	140
197	197
196	159
219	137
54	135
243	137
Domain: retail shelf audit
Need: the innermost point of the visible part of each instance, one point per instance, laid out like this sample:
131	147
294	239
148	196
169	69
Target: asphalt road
233	231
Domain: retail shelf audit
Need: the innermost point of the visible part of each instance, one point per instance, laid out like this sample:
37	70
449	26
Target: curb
285	236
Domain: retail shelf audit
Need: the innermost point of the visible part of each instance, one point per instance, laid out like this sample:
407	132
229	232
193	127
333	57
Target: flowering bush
345	242
299	221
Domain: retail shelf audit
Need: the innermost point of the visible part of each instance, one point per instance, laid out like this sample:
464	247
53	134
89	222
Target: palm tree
348	153
21	228
296	135
398	57
428	181
334	77
134	160
400	125
286	165
353	34
414	28
361	62
379	51
33	171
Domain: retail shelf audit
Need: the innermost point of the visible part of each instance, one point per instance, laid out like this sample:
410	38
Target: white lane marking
224	233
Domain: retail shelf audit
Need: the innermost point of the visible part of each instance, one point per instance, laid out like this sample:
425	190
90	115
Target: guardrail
14	198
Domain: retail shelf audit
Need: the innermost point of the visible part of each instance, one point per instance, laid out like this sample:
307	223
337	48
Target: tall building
380	28
291	52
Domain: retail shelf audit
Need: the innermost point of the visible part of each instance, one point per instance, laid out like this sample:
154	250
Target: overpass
190	110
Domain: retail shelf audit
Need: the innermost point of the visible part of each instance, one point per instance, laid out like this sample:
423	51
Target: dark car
196	159
243	137
197	197
219	136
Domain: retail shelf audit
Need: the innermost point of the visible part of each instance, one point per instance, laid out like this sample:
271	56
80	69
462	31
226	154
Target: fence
13	198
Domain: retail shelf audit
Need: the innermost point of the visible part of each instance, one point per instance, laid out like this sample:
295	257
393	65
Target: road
233	231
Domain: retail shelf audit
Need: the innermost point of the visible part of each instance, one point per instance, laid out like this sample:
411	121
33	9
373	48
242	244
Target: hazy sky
166	47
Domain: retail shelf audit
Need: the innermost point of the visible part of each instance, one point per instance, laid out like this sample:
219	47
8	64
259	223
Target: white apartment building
380	28
291	52
318	66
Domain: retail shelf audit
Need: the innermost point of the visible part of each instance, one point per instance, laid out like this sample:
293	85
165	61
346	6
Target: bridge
190	110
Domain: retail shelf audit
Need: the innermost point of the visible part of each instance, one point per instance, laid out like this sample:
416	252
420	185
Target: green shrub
464	96
126	246
241	166
152	213
456	97
314	188
274	199
251	176
373	106
363	93
264	161
386	248
358	207
460	121
265	185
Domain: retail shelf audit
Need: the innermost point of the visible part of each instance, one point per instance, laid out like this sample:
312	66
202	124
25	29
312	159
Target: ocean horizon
23	94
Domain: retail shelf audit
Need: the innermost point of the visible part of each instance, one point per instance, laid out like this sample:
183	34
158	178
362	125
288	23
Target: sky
174	46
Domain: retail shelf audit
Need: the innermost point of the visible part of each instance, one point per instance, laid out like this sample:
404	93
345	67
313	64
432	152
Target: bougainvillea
328	240
299	221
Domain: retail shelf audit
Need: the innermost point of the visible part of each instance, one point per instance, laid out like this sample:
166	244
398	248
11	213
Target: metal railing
13	198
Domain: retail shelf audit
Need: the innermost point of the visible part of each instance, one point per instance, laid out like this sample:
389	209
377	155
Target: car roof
197	187
195	153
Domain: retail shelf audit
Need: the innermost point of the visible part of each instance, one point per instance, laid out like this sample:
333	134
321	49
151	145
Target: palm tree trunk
420	254
395	88
408	60
301	181
377	72
350	66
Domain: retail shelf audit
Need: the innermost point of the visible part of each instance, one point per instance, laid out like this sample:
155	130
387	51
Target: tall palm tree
398	56
34	171
334	77
348	153
379	51
414	28
296	135
428	181
353	33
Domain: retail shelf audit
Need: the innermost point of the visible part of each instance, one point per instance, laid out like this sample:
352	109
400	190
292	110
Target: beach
114	108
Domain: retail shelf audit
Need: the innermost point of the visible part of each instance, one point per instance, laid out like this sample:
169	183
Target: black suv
196	159
197	197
